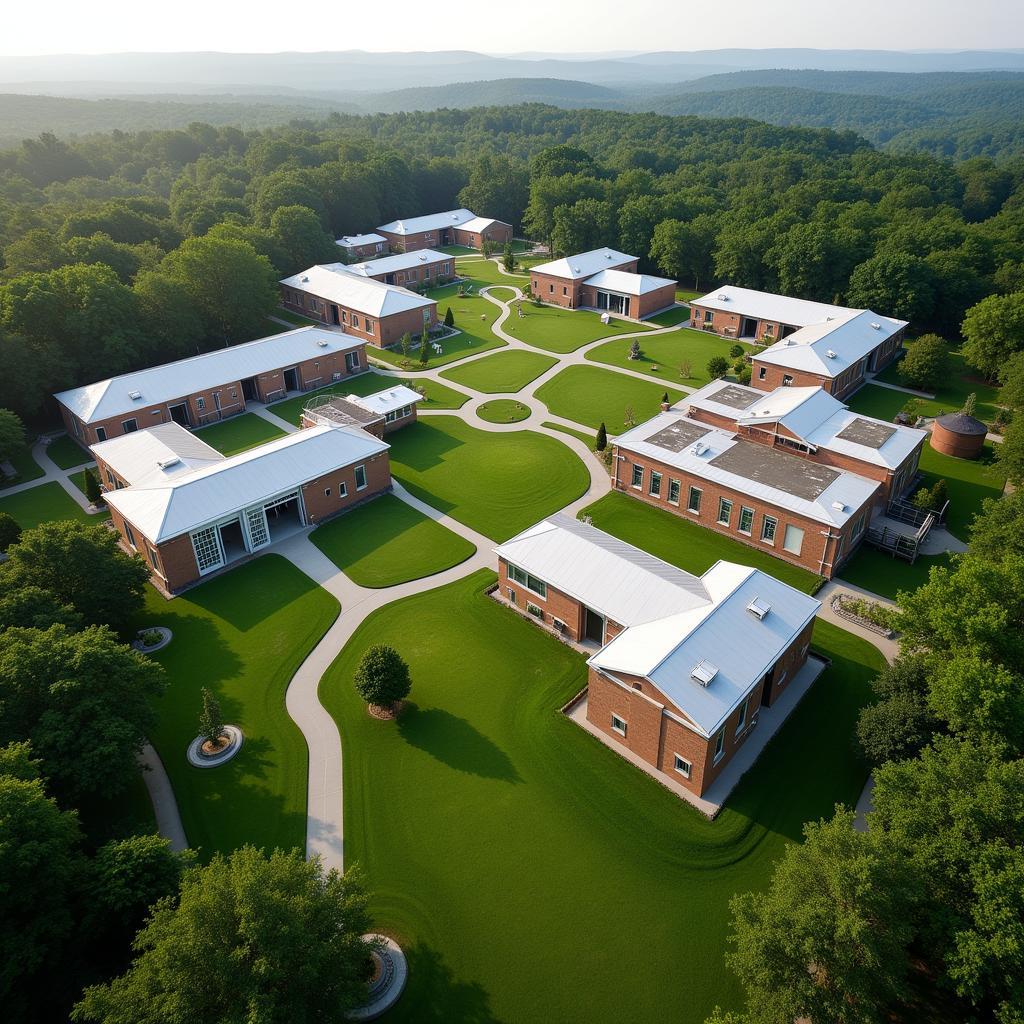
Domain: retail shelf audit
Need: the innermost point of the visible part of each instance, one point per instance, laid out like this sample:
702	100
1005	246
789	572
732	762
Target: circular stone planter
165	638
389	974
503	410
198	759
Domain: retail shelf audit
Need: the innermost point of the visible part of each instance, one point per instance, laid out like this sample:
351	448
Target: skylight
704	671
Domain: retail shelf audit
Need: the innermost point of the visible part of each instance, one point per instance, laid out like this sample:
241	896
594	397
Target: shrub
406	345
10	531
508	258
382	677
449	319
634	349
424	347
736	351
744	375
926	363
629	417
970	402
602	438
718	367
92	488
150	637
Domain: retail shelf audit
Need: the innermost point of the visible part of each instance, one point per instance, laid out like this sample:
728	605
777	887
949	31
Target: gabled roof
614	578
736	646
333	282
163	510
354	241
389	400
479	224
584	264
626	282
768	306
429	222
399	261
800	410
159	384
154	456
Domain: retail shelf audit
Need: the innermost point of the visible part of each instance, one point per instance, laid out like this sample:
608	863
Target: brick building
452	227
685	663
189	511
809	343
380	413
377	313
204	389
421	269
561	282
363	247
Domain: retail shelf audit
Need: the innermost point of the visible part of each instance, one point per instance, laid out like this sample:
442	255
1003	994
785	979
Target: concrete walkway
165	807
52	473
927	395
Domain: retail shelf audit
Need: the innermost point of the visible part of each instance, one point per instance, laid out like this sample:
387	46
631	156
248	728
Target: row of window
524	579
398	414
361	484
150	553
680	763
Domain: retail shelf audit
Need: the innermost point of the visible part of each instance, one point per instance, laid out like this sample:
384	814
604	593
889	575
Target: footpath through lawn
526	869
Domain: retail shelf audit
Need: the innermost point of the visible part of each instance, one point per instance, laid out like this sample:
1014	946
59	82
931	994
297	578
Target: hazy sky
70	26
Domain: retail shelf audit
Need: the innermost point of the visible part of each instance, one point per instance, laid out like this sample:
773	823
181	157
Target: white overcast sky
107	26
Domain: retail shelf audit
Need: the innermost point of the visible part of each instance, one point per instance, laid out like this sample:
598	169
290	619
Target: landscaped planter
840	605
154	638
201	754
387	981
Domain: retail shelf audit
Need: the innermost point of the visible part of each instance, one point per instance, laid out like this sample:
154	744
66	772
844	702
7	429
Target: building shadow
423	446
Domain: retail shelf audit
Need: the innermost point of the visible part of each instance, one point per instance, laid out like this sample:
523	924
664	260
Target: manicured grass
588	439
663	354
67	453
239	433
882	574
503	410
683	543
495	483
78	479
387	542
503	373
458	250
503	292
437	395
242	635
489	272
882	403
564	330
295	318
44	504
671	317
25	469
590	395
969	483
485	822
687	295
953	390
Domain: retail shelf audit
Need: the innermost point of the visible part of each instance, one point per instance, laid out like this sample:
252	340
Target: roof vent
423	259
699	448
876	327
722	297
322	343
838	506
829	318
575	270
167	463
759	608
305	279
134	395
704	671
831	354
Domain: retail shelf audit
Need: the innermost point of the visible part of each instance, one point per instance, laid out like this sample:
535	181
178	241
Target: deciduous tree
382	677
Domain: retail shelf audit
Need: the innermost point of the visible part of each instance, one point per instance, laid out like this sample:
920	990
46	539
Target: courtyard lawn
388	542
671	317
239	433
501	374
25	469
242	635
555	329
503	292
67	453
588	439
437	395
489	272
590	395
663	354
968	481
953	391
44	504
685	544
503	410
458	250
882	574
687	295
495	483
294	318
484	819
78	478
882	403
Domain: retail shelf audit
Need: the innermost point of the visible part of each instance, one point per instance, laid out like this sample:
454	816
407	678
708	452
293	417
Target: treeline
126	249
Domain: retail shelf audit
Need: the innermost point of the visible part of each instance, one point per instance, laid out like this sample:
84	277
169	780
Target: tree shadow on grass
456	743
434	996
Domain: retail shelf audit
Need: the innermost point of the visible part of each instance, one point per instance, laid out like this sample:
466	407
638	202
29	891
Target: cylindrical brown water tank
958	435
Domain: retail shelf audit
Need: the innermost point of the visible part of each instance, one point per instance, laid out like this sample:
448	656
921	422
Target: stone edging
385	992
837	607
198	760
165	638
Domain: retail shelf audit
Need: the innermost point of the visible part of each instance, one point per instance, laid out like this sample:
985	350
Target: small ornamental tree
736	351
602	438
211	722
664	397
743	375
382	678
634	349
449	319
629	417
424	347
685	369
406	345
508	258
10	531
718	367
92	488
487	247
970	403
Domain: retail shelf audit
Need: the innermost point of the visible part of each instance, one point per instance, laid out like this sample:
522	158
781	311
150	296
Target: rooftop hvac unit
838	506
699	448
305	279
876	327
722	297
831	354
829	318
759	608
703	672
322	343
134	395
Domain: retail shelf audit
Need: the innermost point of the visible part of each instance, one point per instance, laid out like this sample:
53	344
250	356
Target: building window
101	434
551	289
200	403
719	745
426	316
565	291
762	372
206	548
327	492
344	316
360	478
708	316
390	417
724	511
619	725
654	487
525	579
673	492
746	520
351	361
769	524
793	540
638	476
130	426
693	500
787	380
152	556
355	321
369	326
128	533
743	715
406	411
683	766
110	478
858	527
343	489
511	594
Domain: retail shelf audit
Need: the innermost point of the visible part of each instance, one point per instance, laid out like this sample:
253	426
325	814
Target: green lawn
242	635
951	394
503	410
564	330
882	403
489	272
882	574
502	373
239	433
683	543
295	318
495	483
437	395
78	478
581	435
67	453
671	317
387	542
530	873
663	354
458	250
687	295
590	395
44	504
969	483
25	469
503	292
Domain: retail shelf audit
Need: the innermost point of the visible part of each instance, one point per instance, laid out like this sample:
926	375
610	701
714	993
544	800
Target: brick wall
498	233
369	251
557	291
430	270
556	605
382	332
321	506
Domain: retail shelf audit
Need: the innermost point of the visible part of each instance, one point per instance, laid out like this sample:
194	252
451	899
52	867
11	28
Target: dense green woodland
124	250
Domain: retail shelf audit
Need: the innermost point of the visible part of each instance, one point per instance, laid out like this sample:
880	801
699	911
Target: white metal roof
722	633
628	283
163	510
799	410
429	222
584	264
400	261
479	224
354	241
390	400
842	499
780	309
159	384
830	348
333	282
614	578
154	456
